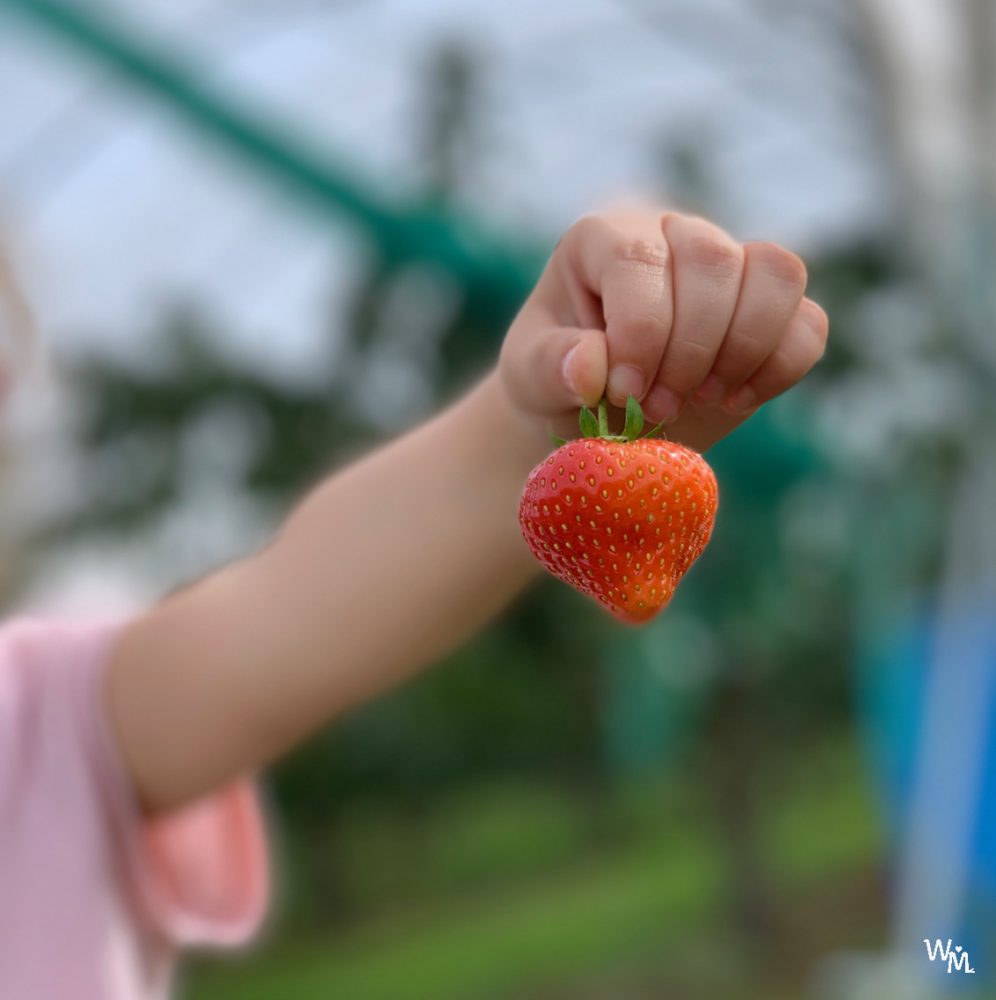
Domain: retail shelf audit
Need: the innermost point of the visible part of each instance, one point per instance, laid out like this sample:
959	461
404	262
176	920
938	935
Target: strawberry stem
597	426
603	418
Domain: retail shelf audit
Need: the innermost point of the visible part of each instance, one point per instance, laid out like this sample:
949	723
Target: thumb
556	371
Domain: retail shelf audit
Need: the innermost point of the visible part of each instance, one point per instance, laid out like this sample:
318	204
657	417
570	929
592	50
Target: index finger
630	273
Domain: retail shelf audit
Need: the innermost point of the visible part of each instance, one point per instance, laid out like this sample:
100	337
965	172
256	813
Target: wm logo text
956	957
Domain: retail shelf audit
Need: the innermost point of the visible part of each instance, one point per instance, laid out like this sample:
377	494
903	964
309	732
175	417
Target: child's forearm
390	564
381	570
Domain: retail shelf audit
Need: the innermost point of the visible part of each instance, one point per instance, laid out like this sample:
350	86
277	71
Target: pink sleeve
200	875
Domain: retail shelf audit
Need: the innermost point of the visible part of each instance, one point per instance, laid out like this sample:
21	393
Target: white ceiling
114	211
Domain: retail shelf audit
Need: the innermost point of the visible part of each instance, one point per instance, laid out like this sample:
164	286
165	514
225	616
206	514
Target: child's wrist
521	439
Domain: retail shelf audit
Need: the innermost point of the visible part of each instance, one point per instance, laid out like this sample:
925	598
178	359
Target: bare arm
381	570
391	563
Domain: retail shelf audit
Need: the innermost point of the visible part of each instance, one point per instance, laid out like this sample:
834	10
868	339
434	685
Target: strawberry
620	517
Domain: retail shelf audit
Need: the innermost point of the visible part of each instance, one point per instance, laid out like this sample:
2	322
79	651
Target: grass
649	899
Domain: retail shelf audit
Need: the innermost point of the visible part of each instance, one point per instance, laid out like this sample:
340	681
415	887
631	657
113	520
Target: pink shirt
95	900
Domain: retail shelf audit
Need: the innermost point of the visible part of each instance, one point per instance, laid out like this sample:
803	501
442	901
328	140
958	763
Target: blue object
893	685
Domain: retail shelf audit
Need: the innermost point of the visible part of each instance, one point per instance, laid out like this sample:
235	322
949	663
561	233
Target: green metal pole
403	233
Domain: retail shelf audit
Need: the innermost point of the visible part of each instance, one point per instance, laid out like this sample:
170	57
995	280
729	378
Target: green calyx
596	424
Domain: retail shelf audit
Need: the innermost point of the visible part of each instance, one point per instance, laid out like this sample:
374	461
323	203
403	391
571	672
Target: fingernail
740	402
662	404
625	380
711	391
565	371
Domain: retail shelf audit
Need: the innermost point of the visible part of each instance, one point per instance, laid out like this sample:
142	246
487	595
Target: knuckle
701	243
587	223
714	252
644	330
686	364
742	351
817	324
796	370
591	230
791	365
818	320
636	252
585	228
786	368
780	264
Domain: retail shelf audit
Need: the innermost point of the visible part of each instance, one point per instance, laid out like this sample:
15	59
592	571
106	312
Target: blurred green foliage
507	765
561	794
553	905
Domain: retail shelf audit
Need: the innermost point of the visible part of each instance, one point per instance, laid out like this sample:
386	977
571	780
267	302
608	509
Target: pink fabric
94	899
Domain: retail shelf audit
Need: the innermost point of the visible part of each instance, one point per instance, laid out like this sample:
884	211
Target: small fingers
630	271
773	285
559	370
687	312
801	346
707	271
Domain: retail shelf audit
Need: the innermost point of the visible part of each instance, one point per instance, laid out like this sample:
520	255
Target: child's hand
345	601
700	328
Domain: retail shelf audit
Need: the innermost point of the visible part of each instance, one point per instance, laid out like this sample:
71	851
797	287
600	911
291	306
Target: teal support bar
484	265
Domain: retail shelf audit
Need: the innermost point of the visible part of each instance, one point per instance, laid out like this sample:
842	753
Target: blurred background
259	237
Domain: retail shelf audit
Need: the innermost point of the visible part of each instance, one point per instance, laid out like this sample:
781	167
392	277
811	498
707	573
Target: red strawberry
618	518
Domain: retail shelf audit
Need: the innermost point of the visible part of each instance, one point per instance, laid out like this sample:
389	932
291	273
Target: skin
392	562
